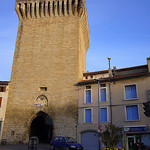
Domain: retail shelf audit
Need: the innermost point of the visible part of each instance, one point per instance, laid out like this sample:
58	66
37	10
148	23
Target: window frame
125	92
106	94
85	95
91	115
126	113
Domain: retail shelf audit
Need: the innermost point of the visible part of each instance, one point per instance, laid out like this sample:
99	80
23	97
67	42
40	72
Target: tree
111	136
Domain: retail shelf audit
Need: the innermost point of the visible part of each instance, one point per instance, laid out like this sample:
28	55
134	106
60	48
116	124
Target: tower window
3	89
43	88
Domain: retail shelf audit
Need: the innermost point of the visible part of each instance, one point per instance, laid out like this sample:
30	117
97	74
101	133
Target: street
23	147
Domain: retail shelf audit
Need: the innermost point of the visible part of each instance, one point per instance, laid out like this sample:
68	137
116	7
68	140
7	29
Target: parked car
65	143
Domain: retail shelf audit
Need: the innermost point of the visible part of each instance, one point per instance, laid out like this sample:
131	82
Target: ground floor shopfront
89	138
131	134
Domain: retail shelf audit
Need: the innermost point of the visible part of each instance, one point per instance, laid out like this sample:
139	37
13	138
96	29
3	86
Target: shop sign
133	129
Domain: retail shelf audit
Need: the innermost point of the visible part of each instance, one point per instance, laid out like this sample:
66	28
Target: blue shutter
103	114
132	112
88	96
130	91
88	115
103	95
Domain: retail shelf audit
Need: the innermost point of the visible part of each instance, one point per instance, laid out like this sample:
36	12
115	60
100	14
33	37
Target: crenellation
36	9
50	52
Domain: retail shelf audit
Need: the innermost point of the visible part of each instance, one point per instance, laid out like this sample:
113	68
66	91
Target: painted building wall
3	104
118	107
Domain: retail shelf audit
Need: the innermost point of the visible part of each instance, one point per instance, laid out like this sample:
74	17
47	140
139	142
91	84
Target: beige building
122	93
3	102
49	58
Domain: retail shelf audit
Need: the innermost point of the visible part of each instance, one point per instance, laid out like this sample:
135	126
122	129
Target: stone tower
50	57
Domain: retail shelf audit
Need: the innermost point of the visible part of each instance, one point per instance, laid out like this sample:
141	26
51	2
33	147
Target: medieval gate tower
50	57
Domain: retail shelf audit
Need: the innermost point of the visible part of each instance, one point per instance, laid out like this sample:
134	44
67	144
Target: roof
4	82
118	74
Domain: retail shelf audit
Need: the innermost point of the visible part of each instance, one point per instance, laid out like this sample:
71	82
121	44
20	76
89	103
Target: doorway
42	127
130	142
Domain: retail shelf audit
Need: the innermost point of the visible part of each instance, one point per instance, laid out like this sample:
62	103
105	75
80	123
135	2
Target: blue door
89	140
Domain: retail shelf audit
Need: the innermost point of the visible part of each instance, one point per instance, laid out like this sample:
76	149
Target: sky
119	29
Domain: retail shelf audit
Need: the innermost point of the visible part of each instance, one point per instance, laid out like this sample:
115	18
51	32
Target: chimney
115	68
109	70
148	63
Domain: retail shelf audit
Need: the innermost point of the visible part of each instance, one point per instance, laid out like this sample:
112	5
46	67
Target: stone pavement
23	147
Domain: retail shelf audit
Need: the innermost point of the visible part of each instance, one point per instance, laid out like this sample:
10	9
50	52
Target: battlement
48	8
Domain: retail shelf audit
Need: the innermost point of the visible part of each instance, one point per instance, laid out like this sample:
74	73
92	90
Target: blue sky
119	29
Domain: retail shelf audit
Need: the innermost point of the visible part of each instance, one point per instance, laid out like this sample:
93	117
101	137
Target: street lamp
98	81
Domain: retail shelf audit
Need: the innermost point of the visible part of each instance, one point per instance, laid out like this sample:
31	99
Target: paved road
23	147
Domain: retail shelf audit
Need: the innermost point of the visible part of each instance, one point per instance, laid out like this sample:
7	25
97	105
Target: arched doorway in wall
42	127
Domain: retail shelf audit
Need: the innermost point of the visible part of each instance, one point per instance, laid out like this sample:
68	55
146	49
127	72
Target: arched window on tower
25	9
35	10
40	9
20	9
49	8
53	8
63	7
67	7
58	8
31	10
44	9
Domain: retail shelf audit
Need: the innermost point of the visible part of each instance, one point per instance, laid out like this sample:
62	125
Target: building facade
3	102
50	57
121	97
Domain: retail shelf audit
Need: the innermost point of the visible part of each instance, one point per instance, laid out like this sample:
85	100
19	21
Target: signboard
134	129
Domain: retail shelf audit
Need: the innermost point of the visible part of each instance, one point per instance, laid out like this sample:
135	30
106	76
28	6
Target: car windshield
70	140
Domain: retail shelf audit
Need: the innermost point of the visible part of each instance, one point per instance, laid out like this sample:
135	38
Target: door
89	141
130	142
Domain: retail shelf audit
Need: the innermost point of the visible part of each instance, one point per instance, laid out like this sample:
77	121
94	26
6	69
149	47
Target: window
132	112
103	94
2	88
88	94
43	88
88	116
130	92
0	101
103	114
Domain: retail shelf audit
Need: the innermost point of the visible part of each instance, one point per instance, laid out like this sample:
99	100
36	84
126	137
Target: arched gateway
42	127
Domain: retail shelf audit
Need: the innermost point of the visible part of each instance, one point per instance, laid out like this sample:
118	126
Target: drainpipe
110	75
109	84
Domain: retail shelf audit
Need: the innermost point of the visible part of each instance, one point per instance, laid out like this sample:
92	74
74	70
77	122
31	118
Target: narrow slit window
43	88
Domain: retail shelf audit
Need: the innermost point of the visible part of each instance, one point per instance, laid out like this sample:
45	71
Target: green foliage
111	136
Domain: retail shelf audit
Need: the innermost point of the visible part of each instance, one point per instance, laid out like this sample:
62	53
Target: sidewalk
23	147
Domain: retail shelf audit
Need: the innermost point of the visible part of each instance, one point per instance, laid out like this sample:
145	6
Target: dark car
65	143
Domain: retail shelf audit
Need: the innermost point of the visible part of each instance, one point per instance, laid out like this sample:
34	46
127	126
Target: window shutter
103	95
88	96
88	115
4	89
0	101
103	114
132	112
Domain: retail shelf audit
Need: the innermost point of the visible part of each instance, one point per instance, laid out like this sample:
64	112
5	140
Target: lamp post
98	81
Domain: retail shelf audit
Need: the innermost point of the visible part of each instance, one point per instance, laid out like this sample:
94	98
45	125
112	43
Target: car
65	143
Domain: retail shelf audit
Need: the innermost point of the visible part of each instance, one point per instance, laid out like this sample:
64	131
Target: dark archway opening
42	127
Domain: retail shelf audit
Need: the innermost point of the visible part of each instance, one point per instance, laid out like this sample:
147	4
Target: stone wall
50	52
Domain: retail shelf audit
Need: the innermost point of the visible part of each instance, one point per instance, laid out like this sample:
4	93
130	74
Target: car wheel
52	147
66	148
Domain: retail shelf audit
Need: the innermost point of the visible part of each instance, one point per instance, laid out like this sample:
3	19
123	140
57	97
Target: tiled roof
118	74
4	82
